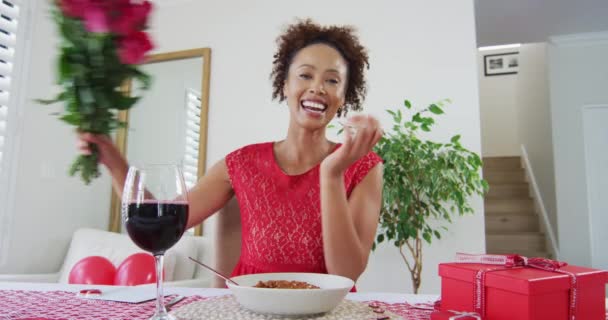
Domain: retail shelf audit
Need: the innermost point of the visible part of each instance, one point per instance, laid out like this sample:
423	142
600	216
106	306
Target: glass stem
160	305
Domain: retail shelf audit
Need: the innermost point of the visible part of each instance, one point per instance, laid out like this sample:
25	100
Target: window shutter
193	129
9	17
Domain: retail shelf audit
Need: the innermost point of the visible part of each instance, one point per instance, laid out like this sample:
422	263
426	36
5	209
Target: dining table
57	301
46	301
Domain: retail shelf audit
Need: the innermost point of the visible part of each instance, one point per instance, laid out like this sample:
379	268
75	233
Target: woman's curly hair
343	39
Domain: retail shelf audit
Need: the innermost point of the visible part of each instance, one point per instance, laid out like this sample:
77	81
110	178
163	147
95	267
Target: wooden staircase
512	224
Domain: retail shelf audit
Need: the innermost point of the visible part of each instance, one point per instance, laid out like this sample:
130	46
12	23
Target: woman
307	204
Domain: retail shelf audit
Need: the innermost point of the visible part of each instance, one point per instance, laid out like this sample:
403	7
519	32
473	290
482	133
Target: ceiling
525	21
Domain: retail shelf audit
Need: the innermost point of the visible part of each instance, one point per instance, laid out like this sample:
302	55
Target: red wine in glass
155	214
155	226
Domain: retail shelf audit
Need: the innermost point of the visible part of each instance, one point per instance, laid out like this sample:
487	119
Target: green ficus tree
425	184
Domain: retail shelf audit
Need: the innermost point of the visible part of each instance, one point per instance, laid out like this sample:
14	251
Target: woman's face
316	85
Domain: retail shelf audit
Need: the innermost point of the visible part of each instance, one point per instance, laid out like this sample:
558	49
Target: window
12	52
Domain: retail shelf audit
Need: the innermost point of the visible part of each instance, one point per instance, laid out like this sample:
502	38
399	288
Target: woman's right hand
108	153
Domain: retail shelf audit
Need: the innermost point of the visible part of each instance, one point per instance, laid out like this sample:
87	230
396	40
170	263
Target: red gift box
524	293
452	315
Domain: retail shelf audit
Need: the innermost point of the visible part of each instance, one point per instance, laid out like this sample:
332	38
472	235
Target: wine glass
155	214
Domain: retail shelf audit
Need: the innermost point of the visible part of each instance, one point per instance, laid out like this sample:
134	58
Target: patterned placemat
418	311
226	308
17	304
55	305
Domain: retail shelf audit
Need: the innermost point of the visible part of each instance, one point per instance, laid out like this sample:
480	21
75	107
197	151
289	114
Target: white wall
408	60
595	135
534	121
578	77
498	108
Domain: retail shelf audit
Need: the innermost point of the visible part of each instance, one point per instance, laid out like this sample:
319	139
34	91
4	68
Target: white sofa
179	270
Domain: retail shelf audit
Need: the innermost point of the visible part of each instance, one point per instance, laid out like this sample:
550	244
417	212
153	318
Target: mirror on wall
169	123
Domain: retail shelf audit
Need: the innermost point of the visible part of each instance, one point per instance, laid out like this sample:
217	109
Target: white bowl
332	291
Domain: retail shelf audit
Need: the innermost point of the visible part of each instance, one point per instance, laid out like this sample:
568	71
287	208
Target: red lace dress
281	214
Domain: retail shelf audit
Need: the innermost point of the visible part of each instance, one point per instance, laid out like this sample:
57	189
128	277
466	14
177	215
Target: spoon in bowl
214	271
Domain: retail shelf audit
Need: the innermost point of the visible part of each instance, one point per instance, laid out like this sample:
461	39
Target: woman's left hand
361	133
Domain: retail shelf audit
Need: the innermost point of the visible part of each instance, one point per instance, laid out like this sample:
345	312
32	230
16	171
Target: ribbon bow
543	263
511	261
460	315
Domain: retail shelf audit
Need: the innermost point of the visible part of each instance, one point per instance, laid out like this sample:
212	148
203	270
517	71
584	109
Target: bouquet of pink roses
103	41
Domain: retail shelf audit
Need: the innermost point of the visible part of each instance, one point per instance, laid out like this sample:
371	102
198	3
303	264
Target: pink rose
140	13
132	49
73	8
96	19
94	13
131	17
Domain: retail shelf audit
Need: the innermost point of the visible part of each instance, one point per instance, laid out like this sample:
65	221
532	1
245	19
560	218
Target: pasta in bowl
290	293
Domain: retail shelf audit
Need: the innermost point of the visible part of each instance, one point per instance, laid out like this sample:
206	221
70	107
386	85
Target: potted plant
425	182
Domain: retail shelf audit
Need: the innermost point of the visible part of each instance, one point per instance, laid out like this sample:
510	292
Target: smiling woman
318	199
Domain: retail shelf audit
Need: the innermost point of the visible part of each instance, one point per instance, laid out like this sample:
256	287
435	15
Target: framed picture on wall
501	63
